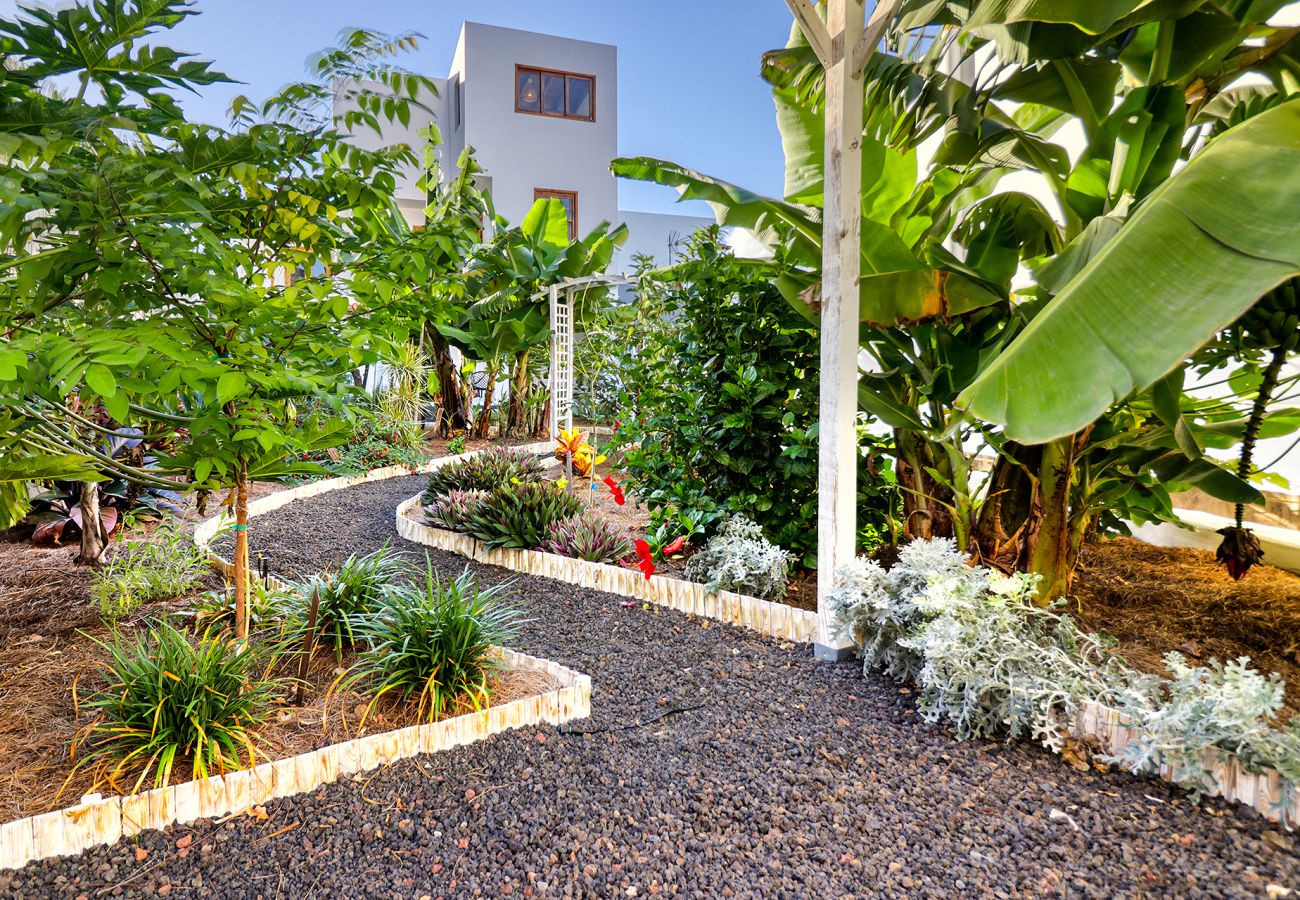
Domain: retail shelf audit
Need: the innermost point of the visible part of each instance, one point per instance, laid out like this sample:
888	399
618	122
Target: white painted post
553	376
837	445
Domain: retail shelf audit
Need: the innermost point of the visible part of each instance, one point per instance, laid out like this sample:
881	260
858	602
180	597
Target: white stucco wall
654	234
521	152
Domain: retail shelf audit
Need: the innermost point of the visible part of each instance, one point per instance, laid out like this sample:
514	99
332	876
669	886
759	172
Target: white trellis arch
561	374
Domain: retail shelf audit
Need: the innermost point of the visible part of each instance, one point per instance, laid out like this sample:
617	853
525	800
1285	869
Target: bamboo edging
764	616
97	820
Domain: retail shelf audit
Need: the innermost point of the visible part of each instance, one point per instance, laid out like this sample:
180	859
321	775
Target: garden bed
1154	600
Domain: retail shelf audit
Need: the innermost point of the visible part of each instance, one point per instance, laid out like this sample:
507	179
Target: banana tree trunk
1051	555
517	417
1006	522
94	537
483	424
925	514
451	397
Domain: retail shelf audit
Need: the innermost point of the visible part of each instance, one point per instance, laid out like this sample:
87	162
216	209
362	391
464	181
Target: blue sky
689	89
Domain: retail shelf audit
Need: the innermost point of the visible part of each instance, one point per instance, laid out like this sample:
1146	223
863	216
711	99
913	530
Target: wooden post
837	444
241	553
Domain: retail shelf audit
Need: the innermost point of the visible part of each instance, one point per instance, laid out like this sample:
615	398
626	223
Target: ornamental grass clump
588	536
354	589
433	645
169	701
738	558
483	472
520	516
452	509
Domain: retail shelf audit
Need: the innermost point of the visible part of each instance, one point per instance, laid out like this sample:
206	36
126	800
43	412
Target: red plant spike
645	562
614	489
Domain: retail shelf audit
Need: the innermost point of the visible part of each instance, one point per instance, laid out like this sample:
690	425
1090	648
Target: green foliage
170	701
738	558
521	515
456	445
720	411
589	536
165	566
374	440
433	645
267	608
485	471
347	593
452	509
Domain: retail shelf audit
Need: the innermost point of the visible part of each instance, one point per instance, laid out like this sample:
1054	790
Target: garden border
1226	777
97	820
767	617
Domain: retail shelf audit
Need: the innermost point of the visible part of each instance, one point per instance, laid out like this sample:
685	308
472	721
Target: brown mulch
1157	599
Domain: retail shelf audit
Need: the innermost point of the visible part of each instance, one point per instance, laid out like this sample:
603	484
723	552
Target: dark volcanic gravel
779	777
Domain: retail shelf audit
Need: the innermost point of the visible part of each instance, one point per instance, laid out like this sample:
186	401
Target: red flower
675	547
645	561
614	489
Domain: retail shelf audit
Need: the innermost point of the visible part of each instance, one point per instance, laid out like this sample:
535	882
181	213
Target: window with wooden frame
561	95
569	200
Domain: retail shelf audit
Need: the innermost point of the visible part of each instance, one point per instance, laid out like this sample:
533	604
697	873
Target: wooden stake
308	642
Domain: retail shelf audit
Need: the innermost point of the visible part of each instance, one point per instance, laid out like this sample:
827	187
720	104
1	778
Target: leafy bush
353	590
456	445
434	643
452	509
485	471
375	440
169	701
520	515
166	566
738	558
215	610
720	408
588	536
987	660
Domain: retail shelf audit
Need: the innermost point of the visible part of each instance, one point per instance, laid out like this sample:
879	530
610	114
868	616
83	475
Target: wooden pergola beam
814	29
866	45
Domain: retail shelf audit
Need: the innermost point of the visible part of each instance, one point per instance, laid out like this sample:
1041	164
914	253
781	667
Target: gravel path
778	777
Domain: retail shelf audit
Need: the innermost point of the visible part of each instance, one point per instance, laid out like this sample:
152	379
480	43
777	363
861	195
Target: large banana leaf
1199	252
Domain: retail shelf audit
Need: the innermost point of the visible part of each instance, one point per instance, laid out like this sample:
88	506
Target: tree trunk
925	515
1006	523
451	398
543	424
517	417
241	553
94	538
1050	556
483	424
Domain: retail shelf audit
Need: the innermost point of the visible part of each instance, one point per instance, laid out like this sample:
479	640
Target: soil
716	763
802	592
49	662
1154	600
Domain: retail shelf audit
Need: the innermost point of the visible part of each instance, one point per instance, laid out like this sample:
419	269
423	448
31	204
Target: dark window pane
553	94
528	90
580	97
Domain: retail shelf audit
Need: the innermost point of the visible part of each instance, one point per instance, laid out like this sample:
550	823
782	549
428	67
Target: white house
541	114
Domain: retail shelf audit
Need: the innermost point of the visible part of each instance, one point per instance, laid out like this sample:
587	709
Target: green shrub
588	536
432	644
168	565
169	701
738	558
520	515
375	440
452	509
353	590
720	406
483	472
215	610
456	445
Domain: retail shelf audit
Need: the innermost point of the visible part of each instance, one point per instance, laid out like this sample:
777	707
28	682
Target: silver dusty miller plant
987	660
738	558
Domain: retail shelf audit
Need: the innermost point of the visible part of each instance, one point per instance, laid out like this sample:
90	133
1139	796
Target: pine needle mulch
1157	599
